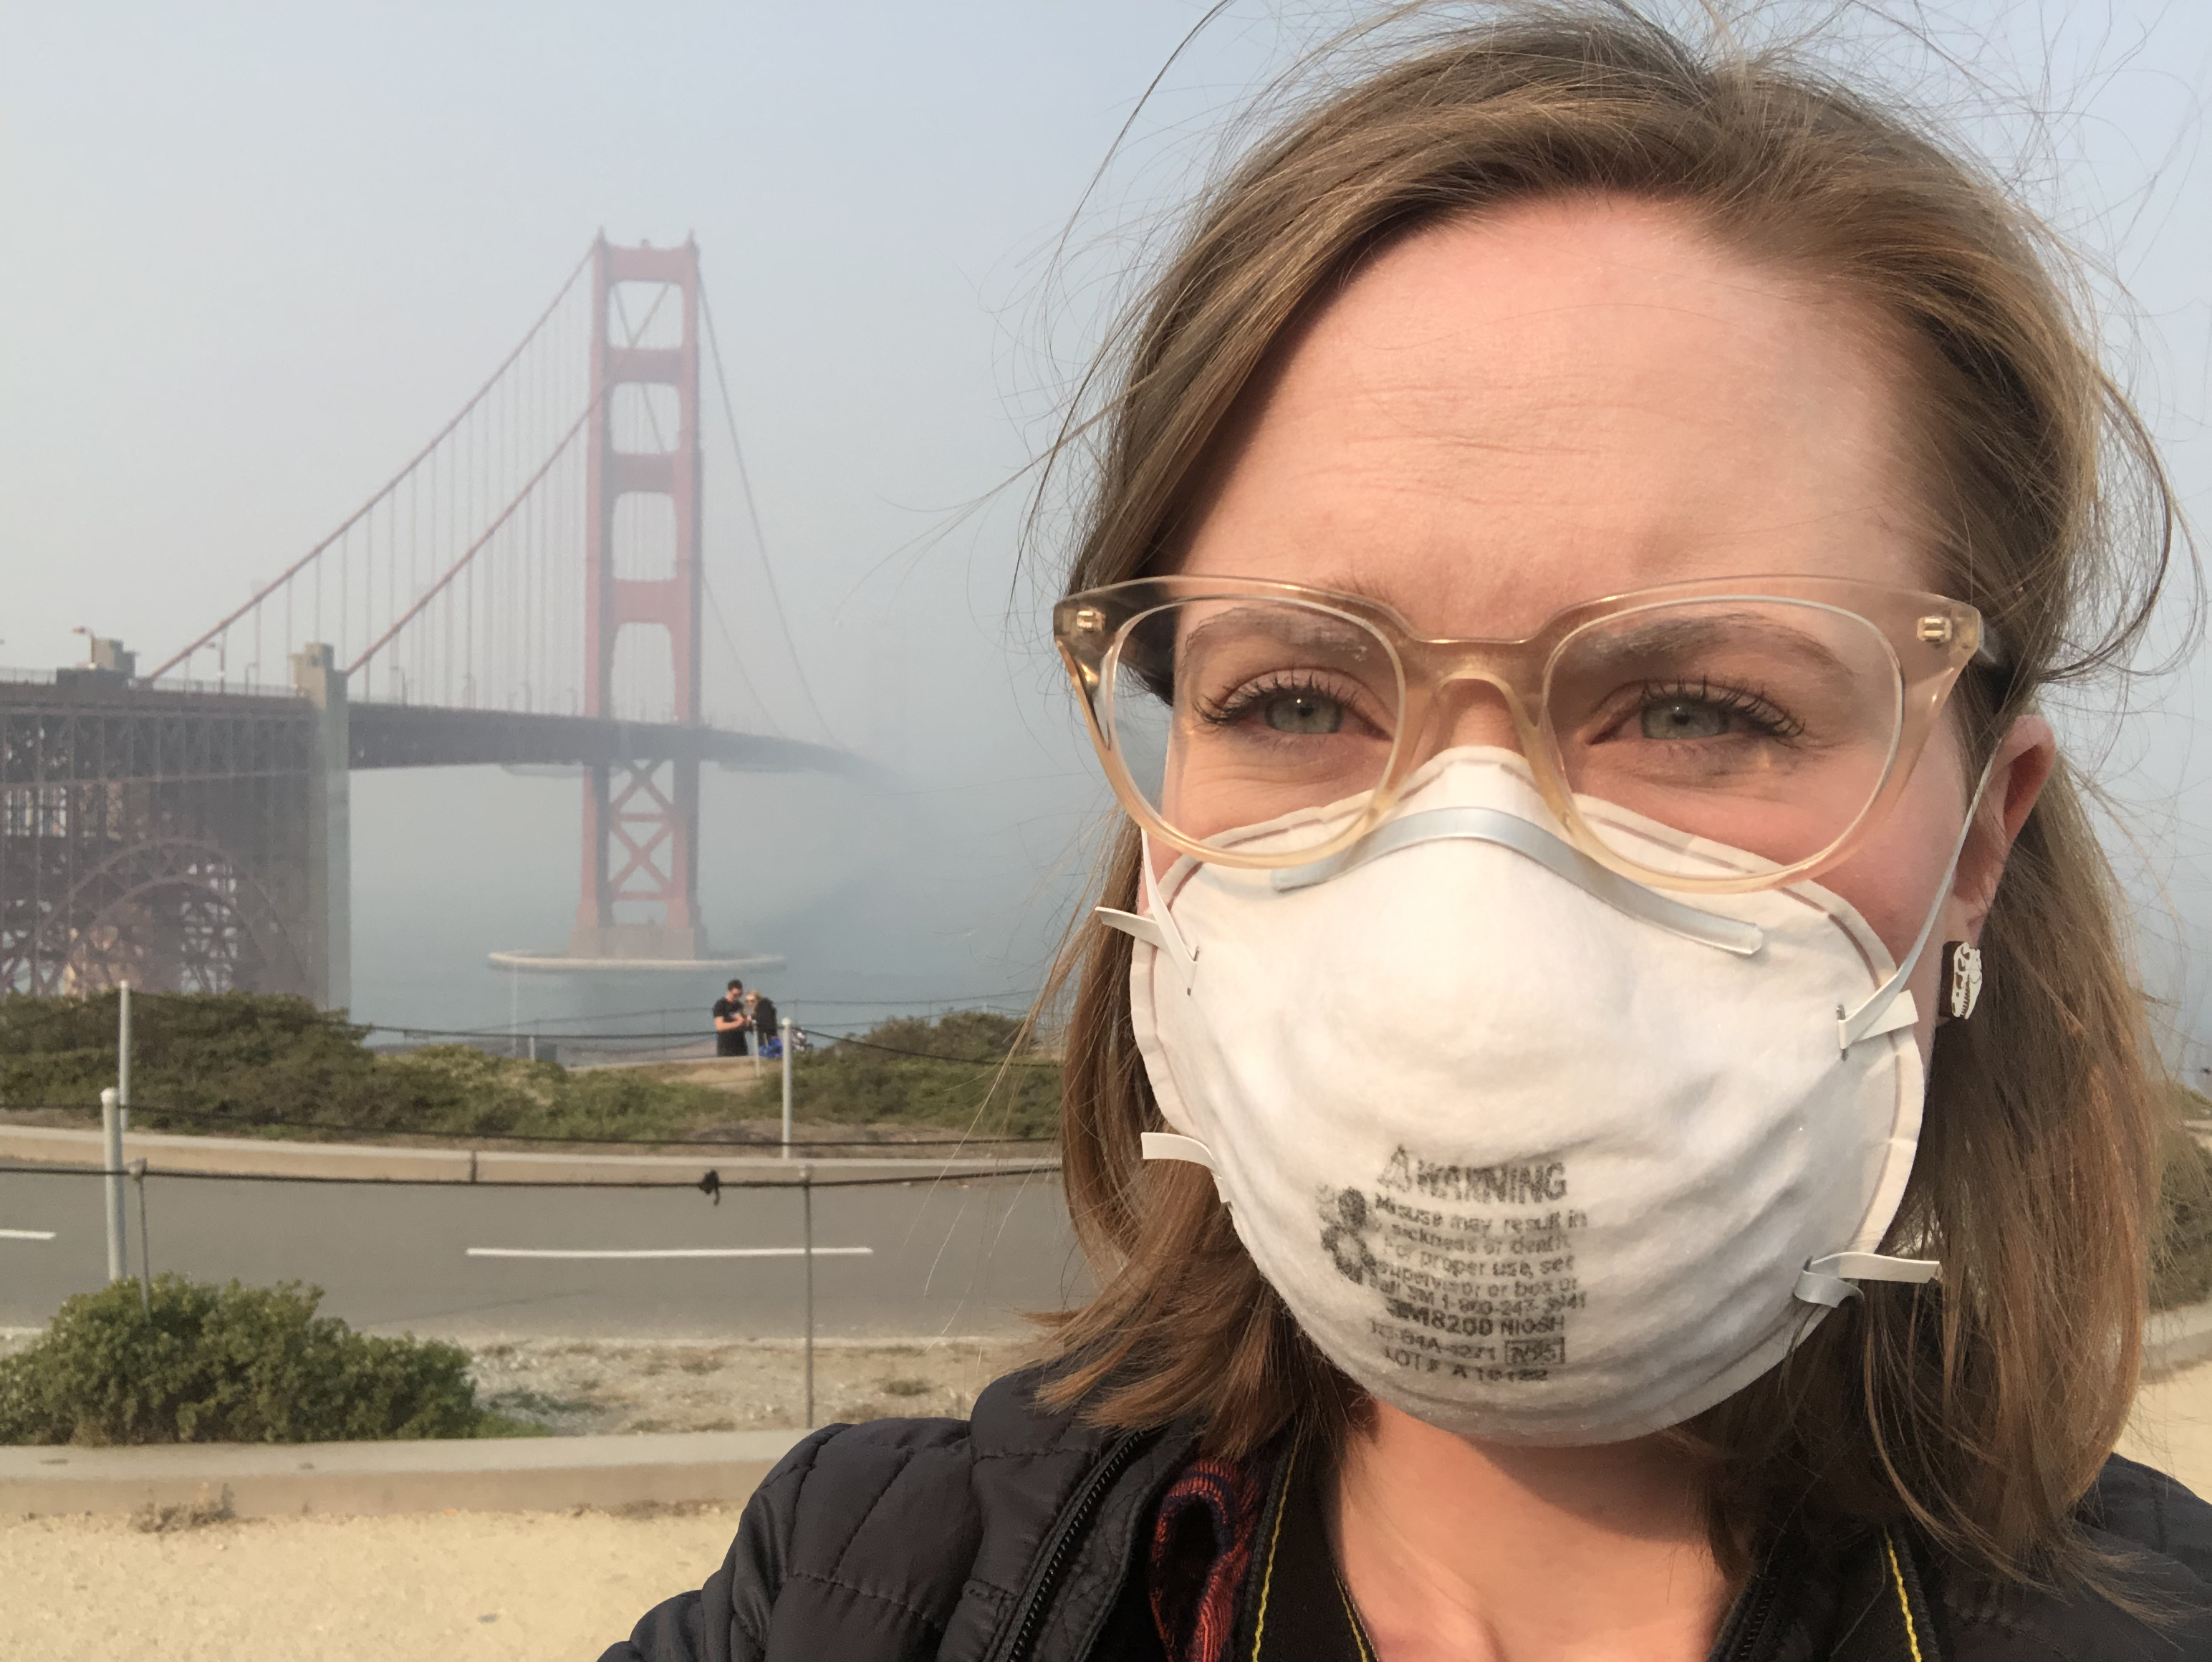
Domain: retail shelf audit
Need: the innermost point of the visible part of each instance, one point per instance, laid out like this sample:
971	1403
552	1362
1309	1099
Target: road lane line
669	1252
26	1234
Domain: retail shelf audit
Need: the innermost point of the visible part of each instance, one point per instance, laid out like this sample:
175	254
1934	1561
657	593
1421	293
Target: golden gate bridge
529	588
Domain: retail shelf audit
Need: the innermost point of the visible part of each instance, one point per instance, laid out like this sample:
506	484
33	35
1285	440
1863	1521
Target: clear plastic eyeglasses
1778	714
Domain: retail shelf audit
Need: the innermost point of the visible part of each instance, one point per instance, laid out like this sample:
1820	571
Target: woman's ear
2018	773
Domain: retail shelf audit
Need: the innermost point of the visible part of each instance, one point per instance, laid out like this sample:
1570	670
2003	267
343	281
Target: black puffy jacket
1011	1537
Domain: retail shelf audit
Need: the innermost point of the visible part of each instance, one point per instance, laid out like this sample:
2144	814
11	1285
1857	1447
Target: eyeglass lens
1766	724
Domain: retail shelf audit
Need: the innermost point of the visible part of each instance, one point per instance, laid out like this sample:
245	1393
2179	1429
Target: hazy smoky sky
251	257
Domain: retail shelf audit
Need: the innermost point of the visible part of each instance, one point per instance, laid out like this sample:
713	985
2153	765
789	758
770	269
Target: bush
946	1072
2181	1262
228	1364
250	1057
245	1059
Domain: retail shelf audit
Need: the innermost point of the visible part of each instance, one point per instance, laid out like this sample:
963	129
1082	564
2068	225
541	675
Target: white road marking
669	1252
26	1234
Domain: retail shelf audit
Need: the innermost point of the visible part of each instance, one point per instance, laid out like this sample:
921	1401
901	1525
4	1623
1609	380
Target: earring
1962	978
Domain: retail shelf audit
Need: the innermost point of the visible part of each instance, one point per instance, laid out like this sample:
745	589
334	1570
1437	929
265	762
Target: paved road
956	1258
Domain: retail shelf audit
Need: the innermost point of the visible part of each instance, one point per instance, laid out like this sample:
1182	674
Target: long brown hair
1981	1410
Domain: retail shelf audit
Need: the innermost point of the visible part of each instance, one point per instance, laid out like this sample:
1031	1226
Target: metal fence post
807	1208
111	1126
145	1252
784	1029
123	1053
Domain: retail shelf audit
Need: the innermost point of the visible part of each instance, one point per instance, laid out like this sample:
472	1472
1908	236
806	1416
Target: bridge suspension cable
460	581
390	489
752	516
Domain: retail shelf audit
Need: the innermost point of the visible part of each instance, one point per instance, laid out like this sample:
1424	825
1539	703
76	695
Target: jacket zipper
1750	1636
1069	1531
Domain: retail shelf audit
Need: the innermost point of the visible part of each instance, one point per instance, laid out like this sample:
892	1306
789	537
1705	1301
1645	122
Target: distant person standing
761	1008
731	1021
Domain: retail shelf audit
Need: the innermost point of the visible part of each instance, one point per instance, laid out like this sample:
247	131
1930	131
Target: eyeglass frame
1091	626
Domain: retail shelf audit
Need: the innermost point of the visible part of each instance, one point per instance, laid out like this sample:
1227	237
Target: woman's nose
1472	713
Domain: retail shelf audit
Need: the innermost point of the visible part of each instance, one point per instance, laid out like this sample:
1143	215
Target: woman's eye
1701	711
1684	718
1307	714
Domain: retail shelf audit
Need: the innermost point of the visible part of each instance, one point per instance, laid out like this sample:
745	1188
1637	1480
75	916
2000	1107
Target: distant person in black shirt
731	1021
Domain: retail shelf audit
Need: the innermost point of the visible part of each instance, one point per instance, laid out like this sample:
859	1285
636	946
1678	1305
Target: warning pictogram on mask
1473	1265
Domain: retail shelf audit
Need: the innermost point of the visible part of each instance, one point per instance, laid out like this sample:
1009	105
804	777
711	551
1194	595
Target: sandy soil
543	1585
2171	1427
548	1586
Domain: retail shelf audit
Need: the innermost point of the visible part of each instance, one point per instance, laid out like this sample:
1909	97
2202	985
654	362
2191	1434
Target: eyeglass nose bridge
1448	677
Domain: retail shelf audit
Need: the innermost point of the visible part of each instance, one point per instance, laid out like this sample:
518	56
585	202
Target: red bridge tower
641	888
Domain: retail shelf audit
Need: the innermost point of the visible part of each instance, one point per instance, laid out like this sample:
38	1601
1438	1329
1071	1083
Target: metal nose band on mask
1557	856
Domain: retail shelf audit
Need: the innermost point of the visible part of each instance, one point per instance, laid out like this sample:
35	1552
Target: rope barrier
929	1056
711	1184
693	1037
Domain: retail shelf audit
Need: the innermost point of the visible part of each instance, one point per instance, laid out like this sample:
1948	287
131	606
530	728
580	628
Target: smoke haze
256	255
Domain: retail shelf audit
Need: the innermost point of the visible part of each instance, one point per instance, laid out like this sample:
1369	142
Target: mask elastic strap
1155	926
1174	1146
1882	1013
1830	1281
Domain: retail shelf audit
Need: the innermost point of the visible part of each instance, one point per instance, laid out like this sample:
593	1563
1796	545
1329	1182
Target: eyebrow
1282	623
1675	634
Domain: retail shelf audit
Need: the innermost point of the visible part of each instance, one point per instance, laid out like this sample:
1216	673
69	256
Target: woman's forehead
1498	418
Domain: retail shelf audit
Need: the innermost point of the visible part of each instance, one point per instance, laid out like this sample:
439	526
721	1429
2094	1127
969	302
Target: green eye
1684	718
1306	713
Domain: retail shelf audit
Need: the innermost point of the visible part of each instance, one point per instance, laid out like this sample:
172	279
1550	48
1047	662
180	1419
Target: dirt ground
549	1586
587	1386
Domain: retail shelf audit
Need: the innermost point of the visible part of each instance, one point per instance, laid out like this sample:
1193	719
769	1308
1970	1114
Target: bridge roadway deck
381	735
950	1257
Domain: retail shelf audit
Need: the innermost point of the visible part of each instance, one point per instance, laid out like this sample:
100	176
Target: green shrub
2181	1262
251	1058
227	1364
947	1072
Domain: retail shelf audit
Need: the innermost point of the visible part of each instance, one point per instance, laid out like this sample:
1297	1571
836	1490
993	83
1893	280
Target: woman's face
1497	419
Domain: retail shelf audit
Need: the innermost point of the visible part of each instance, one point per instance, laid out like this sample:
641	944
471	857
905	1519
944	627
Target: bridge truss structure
156	839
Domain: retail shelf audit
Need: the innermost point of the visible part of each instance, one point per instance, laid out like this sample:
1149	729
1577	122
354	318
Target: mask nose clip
1562	859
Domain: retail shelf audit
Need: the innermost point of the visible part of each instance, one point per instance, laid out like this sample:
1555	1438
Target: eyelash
1222	712
1755	707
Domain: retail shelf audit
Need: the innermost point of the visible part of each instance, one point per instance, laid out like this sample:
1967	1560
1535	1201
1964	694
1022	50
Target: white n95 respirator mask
1530	1151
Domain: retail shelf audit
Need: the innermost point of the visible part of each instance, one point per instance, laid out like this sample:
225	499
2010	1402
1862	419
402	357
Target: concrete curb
262	1157
264	1480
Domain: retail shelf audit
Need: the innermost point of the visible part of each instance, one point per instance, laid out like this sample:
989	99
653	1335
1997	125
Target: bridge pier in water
329	852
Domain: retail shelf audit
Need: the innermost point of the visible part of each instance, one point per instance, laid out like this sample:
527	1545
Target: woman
1579	538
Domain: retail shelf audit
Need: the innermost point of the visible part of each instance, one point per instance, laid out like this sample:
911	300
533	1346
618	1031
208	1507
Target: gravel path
590	1386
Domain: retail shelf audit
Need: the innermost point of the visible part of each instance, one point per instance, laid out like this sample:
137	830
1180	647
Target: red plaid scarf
1202	1539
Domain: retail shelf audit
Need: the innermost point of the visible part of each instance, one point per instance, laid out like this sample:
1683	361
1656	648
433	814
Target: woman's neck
1479	1553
